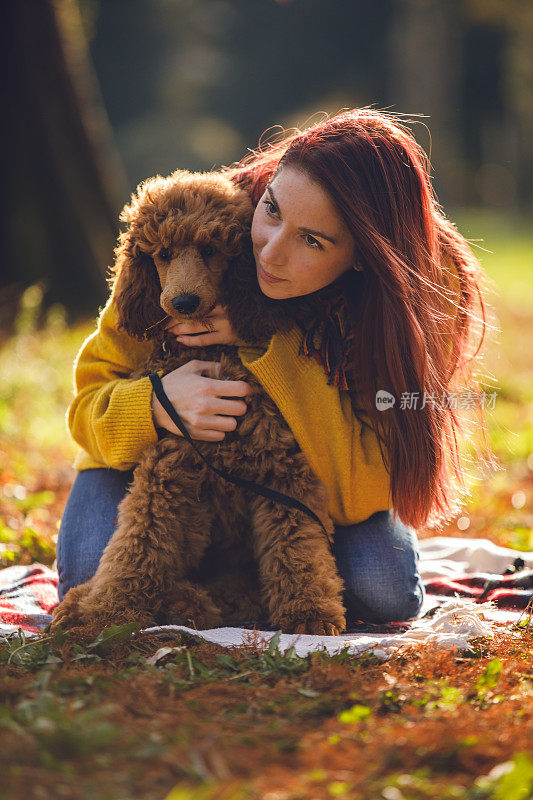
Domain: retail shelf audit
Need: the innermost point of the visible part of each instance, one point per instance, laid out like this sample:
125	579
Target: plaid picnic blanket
29	593
27	596
510	592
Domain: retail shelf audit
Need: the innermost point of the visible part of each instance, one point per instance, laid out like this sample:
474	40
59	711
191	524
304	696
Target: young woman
347	203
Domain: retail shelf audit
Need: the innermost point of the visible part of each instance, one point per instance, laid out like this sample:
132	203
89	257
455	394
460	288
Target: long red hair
412	332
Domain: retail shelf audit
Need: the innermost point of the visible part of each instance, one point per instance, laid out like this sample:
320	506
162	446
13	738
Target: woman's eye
207	251
312	242
271	208
165	254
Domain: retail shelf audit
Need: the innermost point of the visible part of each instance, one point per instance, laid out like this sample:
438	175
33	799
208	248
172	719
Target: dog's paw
315	627
105	617
63	620
193	607
83	607
318	623
319	627
201	619
68	613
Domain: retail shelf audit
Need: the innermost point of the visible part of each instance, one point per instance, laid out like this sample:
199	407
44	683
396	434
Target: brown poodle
190	547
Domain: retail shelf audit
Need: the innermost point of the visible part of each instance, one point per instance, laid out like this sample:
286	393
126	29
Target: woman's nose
273	252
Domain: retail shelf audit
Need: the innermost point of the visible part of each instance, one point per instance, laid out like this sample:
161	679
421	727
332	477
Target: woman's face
298	237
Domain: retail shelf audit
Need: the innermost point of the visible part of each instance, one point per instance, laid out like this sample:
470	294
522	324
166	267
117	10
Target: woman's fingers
194	333
200	340
207	436
215	387
194	326
228	407
193	329
220	388
220	423
208	406
210	369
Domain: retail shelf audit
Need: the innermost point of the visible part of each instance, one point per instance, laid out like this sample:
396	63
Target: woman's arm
111	415
114	418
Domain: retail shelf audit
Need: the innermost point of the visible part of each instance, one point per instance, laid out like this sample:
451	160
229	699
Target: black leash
270	494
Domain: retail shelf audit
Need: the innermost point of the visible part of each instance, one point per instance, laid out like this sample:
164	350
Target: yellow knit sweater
111	418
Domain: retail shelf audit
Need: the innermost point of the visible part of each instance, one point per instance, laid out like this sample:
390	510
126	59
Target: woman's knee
395	603
378	562
87	524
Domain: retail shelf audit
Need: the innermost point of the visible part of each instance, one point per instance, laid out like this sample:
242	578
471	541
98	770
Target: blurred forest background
104	93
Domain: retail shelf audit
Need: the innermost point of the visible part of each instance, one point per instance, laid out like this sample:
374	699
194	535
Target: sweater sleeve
111	415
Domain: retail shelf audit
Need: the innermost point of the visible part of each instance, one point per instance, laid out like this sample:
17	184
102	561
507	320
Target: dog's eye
207	251
165	254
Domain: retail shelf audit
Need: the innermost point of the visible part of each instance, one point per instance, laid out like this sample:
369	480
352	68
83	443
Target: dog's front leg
300	584
162	532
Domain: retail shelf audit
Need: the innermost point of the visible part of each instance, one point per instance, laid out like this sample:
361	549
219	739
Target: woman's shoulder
280	353
109	343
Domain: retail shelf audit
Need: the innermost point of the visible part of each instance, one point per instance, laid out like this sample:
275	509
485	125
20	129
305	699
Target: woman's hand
198	397
194	334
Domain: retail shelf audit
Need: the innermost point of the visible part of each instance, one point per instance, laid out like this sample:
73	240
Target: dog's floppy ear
135	282
136	289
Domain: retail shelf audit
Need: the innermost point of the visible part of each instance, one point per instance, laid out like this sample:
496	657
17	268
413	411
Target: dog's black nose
186	303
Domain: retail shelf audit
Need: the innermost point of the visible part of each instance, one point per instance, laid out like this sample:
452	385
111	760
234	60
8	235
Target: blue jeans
377	559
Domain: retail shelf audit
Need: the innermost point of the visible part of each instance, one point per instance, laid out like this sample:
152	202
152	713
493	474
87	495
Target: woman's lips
267	277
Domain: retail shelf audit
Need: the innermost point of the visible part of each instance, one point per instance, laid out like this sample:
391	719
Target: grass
127	715
123	716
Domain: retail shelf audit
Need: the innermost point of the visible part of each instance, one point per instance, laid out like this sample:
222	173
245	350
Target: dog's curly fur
189	546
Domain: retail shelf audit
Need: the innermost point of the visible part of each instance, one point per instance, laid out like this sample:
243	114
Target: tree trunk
424	79
63	180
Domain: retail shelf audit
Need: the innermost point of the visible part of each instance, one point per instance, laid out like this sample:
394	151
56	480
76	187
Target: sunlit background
104	94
